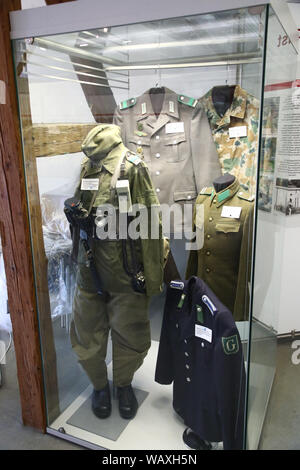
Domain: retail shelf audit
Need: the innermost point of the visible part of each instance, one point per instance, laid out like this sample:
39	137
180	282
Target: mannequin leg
130	331
89	335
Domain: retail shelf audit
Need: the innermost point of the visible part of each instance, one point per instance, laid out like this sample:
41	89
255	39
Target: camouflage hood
100	141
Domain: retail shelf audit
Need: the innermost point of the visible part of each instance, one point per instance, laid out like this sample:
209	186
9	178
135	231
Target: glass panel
277	198
5	324
185	95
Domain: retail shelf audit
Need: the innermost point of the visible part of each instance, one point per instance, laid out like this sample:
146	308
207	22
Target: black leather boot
193	441
101	402
128	404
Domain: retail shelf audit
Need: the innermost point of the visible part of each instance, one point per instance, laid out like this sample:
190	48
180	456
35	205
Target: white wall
59	174
270	252
32	3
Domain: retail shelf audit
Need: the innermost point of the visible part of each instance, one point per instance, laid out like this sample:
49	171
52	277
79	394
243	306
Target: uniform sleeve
192	264
164	372
118	120
198	229
205	158
153	245
229	376
241	305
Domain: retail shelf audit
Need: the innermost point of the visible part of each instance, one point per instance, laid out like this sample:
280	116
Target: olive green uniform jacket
125	313
223	259
151	252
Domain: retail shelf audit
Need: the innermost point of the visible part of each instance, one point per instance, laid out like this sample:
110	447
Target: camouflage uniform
238	156
223	260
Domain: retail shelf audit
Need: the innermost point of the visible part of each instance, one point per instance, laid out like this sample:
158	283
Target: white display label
238	131
203	332
174	127
89	184
231	212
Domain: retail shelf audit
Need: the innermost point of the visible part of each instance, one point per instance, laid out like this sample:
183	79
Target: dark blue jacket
200	351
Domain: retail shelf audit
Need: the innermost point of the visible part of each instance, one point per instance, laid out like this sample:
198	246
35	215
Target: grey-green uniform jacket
177	146
104	149
223	259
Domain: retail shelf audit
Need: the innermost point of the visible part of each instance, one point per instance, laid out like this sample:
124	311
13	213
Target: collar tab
187	100
227	193
127	103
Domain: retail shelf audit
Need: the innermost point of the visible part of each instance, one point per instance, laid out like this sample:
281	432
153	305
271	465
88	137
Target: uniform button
187	366
214	201
182	97
210	219
174	142
139	142
208	236
188	379
177	325
157	190
208	252
157	137
185	341
157	172
189	197
202	344
207	270
157	155
186	354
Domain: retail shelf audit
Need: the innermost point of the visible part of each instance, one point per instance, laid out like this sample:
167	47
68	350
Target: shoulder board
245	196
209	303
127	103
206	191
187	100
133	158
177	285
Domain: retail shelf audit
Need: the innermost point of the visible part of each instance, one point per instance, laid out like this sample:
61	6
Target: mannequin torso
157	96
223	181
222	97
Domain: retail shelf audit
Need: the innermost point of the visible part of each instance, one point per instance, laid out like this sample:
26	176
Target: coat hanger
158	88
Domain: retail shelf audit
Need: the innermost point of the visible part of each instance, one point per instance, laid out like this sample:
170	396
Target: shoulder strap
119	172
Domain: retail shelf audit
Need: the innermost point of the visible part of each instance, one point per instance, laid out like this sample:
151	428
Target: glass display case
5	325
151	161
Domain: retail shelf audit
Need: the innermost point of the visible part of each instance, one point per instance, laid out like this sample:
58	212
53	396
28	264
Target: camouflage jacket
237	155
